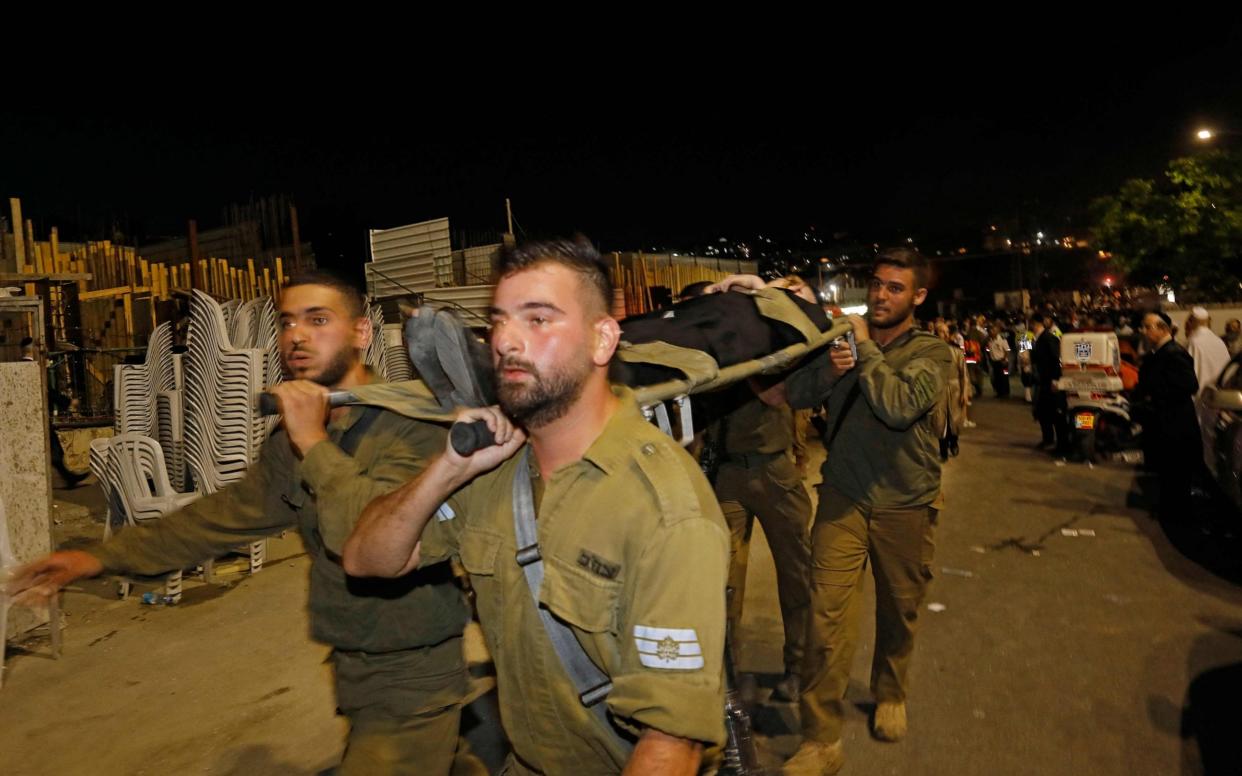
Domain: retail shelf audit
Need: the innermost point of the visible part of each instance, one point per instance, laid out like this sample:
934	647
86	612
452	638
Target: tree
1184	229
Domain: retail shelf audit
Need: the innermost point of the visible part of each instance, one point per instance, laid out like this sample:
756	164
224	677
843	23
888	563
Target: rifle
740	757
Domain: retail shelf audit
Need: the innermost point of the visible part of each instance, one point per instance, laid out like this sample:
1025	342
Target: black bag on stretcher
703	345
729	328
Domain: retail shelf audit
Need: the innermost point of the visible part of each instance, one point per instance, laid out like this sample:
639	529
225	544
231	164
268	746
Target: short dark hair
355	300
576	253
904	258
694	289
27	342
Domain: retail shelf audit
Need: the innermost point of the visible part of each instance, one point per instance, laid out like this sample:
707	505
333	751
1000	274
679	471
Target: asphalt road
1117	650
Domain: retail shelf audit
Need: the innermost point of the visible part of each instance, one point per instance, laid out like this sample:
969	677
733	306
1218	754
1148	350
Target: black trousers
1050	412
1000	380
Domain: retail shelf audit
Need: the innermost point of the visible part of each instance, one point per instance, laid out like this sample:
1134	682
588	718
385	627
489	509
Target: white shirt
998	348
1210	355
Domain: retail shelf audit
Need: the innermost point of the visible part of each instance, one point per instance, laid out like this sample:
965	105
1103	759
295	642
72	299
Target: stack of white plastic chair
106	477
376	356
396	360
254	326
171	426
223	429
131	470
227	309
131	398
135	386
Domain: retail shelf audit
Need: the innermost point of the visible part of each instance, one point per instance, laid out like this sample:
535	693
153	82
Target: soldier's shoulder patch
670	649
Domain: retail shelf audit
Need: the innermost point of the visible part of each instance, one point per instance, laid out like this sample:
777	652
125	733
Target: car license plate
1084	420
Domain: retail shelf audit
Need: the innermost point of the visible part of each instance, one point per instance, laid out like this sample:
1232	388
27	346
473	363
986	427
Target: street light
1207	134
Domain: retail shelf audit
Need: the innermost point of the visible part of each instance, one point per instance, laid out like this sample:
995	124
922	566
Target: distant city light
1204	134
1040	235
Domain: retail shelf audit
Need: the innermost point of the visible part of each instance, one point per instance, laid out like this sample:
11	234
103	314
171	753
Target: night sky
878	142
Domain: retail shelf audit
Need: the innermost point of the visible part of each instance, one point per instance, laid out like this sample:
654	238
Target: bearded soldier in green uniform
593	542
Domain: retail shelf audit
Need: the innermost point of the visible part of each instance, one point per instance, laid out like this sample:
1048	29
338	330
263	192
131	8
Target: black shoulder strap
353	435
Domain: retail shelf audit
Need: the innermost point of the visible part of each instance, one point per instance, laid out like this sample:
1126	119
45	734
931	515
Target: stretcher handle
467	438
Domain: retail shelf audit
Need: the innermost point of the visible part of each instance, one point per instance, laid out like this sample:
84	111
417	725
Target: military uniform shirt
322	496
635	556
886	452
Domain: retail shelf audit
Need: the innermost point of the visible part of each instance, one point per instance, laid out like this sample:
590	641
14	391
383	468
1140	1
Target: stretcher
454	371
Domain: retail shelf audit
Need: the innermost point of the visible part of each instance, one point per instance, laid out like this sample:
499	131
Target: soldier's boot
815	759
787	689
890	721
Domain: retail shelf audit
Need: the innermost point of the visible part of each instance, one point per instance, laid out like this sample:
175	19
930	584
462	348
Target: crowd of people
1162	378
598	551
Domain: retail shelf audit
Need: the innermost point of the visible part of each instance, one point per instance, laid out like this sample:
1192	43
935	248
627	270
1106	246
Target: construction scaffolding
103	301
418	261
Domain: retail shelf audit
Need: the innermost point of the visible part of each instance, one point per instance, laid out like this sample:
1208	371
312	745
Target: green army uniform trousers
404	709
768	486
899	544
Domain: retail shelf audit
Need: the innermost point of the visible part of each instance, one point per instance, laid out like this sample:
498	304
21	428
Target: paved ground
1054	654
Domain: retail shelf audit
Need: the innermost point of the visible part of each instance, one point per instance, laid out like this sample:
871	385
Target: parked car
1221	409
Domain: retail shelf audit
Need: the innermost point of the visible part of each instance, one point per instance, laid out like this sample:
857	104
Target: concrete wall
1220	314
24	483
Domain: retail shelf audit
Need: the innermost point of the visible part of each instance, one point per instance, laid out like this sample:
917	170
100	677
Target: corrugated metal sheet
481	263
399	277
415	257
471	301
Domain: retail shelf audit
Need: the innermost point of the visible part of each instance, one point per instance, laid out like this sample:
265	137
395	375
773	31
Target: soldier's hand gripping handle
468	437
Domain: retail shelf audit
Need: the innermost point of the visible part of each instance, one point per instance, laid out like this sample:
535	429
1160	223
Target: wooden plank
27	277
19	242
30	243
129	314
280	275
297	239
107	293
109	261
55	247
254	285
